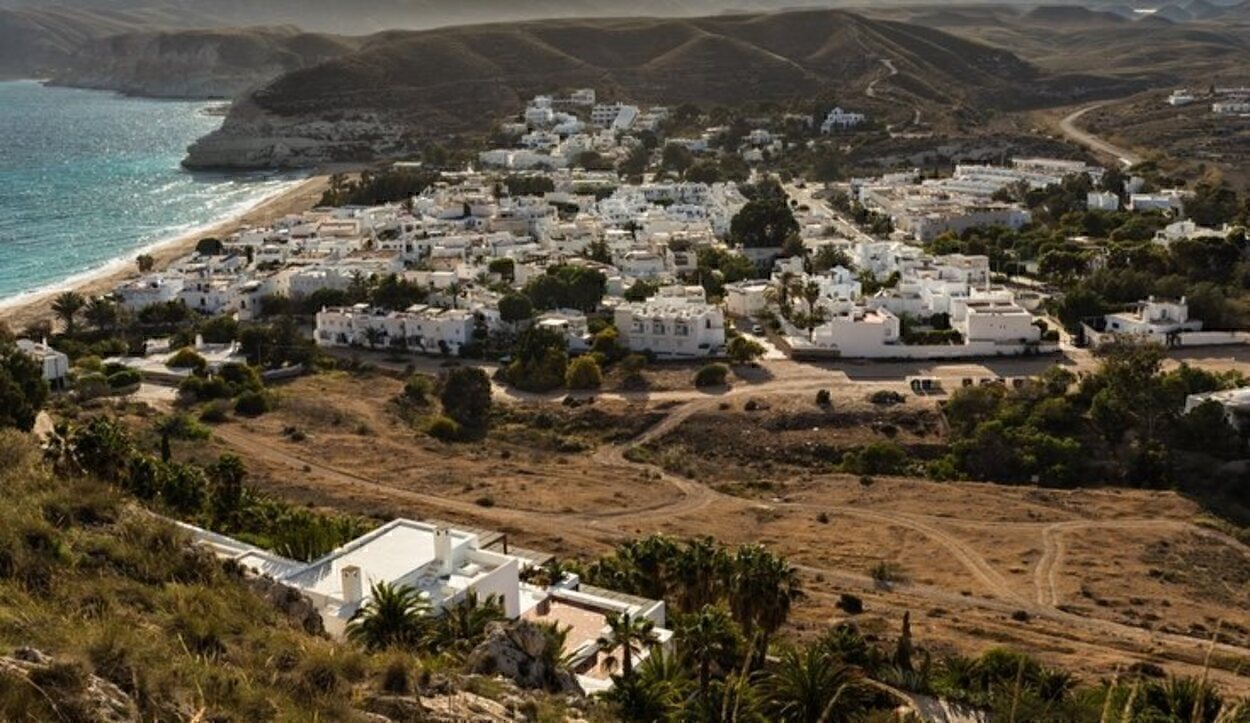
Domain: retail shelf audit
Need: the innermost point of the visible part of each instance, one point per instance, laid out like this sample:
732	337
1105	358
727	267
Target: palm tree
808	686
101	313
701	570
464	625
762	589
66	307
708	637
374	336
393	617
658	692
632	635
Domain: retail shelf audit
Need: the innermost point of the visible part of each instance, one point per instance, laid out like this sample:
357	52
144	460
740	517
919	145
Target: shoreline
26	309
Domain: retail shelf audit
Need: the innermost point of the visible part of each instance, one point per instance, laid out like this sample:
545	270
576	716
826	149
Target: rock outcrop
518	651
70	691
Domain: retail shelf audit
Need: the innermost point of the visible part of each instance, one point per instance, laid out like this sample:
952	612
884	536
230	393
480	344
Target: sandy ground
30	309
1093	580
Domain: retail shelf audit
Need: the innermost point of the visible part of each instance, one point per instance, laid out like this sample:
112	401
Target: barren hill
198	63
403	86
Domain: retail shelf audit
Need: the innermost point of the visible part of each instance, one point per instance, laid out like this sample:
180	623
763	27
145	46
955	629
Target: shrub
485	501
466	397
712	375
886	397
824	398
418	389
885	574
253	404
443	428
215	412
876	458
125	378
850	604
583	373
743	350
186	358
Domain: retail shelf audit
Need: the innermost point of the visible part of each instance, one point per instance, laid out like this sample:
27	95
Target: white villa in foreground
445	565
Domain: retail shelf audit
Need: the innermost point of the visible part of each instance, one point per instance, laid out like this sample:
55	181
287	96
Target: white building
1102	201
839	119
1232	107
746	298
54	364
672	328
1166	201
148	291
444	566
1236	404
993	320
1181	97
1153	319
420	328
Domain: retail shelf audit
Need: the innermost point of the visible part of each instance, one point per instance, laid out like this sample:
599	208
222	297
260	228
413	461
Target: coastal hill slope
402	87
215	63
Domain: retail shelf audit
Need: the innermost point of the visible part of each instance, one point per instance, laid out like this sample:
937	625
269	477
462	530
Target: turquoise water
87	178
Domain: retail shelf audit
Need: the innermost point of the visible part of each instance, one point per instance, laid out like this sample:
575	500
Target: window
638	327
657	327
681	329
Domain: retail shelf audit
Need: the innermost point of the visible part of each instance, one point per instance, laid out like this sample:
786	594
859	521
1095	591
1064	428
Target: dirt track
693	501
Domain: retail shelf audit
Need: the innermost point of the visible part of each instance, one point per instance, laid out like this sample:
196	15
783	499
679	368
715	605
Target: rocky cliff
197	63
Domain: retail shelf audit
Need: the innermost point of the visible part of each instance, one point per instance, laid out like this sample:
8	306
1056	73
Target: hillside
197	63
1071	39
394	91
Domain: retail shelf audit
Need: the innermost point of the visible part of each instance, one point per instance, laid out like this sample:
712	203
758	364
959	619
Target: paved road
1093	142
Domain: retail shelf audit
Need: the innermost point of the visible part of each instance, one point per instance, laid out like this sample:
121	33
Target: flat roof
388	554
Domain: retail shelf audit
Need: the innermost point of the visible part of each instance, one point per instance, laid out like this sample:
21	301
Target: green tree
210	246
709	639
101	314
762	590
145	263
583	373
677	158
394	617
540	360
743	350
23	390
66	306
515	308
463	625
807	685
632	635
764	223
466	397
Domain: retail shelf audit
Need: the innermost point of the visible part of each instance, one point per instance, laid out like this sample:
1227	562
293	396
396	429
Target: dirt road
1089	140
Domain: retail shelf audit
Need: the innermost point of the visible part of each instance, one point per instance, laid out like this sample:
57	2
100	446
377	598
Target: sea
88	179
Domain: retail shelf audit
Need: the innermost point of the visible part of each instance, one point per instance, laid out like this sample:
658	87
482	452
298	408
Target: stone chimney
353	585
442	550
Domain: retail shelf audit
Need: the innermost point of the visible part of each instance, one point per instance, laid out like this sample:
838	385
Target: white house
1102	201
839	119
1236	404
746	298
1154	319
570	323
1166	201
419	328
997	321
55	365
148	291
672	328
444	566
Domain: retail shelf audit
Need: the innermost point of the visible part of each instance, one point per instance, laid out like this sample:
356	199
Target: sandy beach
23	311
